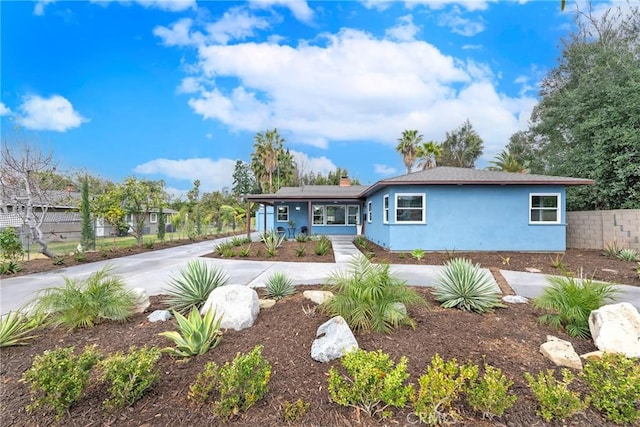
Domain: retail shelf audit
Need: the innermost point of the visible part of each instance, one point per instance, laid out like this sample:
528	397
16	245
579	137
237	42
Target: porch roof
310	192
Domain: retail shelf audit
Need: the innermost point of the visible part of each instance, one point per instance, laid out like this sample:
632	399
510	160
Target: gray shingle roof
314	192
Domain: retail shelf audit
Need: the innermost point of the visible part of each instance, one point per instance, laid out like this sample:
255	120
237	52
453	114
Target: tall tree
461	147
427	154
162	224
408	146
243	180
137	197
87	237
505	161
587	122
265	158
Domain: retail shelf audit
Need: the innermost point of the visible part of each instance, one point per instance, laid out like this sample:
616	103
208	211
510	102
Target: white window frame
326	215
423	209
323	215
167	219
286	213
356	215
369	211
153	218
385	209
557	208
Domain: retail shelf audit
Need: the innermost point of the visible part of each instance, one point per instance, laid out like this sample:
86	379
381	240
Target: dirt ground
508	339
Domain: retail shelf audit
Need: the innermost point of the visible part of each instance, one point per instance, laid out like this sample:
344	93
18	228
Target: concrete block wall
597	229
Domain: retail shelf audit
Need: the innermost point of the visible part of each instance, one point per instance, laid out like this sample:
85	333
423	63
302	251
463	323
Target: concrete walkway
152	270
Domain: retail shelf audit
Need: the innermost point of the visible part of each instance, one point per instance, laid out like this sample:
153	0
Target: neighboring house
104	229
444	208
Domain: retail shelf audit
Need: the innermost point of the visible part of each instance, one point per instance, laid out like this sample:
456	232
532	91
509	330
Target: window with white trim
410	208
369	211
167	219
282	213
385	208
318	215
353	214
544	208
153	218
336	215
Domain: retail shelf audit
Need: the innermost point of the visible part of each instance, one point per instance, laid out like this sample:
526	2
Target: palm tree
407	147
427	154
506	162
265	158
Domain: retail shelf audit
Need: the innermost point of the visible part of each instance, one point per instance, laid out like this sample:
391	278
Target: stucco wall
597	229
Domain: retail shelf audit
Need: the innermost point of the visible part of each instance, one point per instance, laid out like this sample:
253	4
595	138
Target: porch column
265	218
248	218
310	217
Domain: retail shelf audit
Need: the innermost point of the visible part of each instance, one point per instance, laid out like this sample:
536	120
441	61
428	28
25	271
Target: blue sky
177	89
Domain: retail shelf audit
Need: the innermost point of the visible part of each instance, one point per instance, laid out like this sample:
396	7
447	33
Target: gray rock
616	328
238	305
317	296
333	340
515	299
159	316
561	353
142	300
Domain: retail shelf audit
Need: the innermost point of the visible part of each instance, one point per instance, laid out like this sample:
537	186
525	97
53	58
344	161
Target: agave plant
369	297
417	254
569	302
279	285
628	254
197	334
272	241
466	286
15	328
194	284
80	304
323	245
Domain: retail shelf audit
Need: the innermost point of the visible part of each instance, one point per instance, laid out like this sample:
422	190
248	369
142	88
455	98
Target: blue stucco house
443	208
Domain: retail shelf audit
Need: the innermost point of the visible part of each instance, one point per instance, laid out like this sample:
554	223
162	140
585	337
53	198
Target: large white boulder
238	305
616	328
318	296
561	353
333	340
142	300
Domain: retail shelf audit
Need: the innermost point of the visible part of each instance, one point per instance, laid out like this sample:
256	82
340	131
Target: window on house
153	217
385	205
283	213
410	208
318	215
369	211
128	218
336	215
353	214
167	219
544	208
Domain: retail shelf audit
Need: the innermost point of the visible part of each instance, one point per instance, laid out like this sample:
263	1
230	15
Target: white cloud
166	5
177	34
213	174
351	86
471	46
404	31
299	8
459	25
313	164
470	5
379	5
55	113
384	169
38	9
4	110
235	24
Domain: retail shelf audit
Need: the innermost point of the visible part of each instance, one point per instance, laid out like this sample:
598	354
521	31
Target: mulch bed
288	251
508	339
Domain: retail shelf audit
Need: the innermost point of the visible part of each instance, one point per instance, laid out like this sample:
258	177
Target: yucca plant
369	297
323	245
628	254
223	247
16	327
300	251
194	284
569	301
197	334
84	303
272	241
611	250
466	286
279	285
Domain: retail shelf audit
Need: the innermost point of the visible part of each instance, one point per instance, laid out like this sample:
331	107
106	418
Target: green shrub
223	247
58	260
556	401
196	334
301	238
489	394
361	242
80	304
323	246
438	388
369	298
9	267
239	384
193	285
245	252
57	378
149	244
228	252
79	256
272	241
569	301
293	412
15	328
467	287
611	250
558	262
417	254
279	285
300	251
237	241
614	383
372	383
628	254
10	245
129	376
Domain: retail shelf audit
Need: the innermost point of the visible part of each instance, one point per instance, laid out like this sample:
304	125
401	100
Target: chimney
345	181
